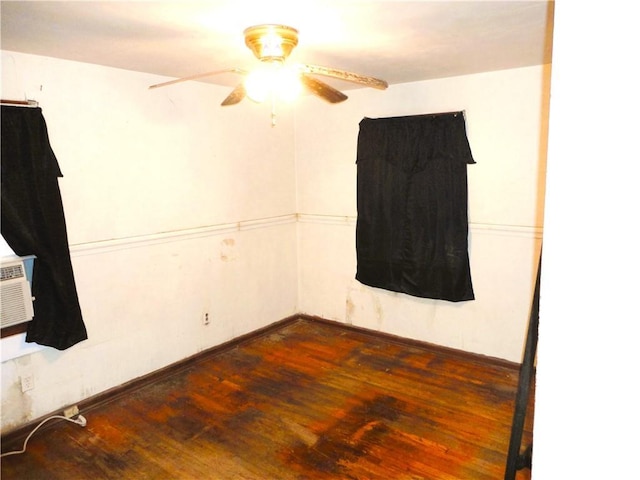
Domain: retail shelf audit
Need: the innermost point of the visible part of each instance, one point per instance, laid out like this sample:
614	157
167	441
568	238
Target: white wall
175	207
506	114
587	393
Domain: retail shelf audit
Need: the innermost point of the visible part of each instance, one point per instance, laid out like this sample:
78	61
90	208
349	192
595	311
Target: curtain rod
20	103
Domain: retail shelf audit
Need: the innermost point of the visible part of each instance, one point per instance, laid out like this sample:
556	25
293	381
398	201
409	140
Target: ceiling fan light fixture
273	80
270	41
289	86
258	83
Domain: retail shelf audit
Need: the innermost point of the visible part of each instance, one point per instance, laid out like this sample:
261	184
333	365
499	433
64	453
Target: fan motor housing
271	42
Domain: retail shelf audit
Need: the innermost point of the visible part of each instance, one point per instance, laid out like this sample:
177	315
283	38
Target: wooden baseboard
16	437
441	350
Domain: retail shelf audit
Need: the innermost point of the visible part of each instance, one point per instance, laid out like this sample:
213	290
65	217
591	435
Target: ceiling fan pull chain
273	110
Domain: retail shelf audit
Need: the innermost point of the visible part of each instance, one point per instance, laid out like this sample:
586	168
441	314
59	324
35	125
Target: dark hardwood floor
311	400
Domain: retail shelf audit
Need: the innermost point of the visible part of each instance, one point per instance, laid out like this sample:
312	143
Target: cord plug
80	420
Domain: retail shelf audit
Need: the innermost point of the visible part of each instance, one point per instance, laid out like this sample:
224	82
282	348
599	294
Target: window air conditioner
16	303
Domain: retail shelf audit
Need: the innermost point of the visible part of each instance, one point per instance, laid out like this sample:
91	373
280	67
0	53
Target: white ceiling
397	41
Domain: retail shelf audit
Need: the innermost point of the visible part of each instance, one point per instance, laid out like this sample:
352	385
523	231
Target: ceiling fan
272	44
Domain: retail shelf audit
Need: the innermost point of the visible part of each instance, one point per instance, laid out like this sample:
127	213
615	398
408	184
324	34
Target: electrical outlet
205	319
27	382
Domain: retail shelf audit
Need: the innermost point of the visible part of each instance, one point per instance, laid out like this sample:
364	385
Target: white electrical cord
79	420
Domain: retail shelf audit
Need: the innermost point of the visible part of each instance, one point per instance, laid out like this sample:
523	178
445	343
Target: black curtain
33	223
412	226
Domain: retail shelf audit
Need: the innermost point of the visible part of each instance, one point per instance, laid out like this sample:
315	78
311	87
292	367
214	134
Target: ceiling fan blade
321	89
343	75
197	76
236	95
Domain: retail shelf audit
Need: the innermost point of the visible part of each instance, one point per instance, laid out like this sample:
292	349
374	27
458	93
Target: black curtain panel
412	226
33	223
